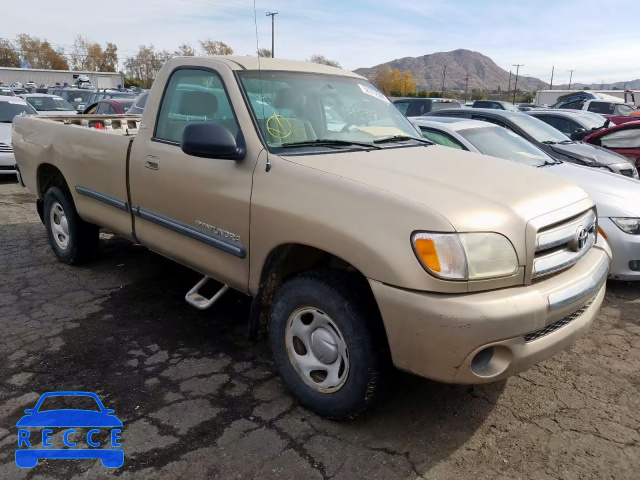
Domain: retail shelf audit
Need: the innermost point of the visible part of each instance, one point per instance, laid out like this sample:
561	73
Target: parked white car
9	108
616	197
46	104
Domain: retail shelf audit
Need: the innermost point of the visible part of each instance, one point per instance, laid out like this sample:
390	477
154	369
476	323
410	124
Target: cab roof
237	62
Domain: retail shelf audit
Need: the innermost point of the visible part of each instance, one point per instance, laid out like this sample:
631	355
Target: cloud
573	34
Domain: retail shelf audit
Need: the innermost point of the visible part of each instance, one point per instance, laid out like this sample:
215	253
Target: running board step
202	303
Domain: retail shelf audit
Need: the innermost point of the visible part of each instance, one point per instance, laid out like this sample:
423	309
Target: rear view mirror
579	134
209	140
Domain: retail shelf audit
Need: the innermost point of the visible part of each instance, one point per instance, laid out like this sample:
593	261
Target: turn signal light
426	249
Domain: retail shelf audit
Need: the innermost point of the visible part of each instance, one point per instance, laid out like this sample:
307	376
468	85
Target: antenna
255	21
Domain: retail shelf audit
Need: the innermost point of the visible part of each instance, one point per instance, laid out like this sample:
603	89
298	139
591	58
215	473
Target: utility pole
273	16
552	69
466	87
570	78
515	88
509	88
444	74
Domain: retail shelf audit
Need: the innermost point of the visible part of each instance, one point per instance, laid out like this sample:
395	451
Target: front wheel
72	239
328	343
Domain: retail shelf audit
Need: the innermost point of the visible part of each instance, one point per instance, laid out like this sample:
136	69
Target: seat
289	127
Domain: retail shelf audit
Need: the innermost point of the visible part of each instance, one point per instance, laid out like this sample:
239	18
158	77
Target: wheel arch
286	261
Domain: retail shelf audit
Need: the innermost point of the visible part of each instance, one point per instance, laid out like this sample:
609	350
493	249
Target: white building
62	77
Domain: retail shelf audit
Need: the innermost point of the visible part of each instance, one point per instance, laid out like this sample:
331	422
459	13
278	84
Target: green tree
8	54
264	52
478	95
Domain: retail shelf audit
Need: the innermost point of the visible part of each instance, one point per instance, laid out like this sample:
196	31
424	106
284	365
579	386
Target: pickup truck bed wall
93	161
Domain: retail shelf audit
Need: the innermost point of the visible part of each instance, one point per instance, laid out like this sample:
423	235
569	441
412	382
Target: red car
623	139
111	106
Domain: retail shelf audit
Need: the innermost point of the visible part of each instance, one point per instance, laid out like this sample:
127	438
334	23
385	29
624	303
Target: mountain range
484	73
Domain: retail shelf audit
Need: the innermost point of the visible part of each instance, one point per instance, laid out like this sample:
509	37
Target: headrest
288	98
198	104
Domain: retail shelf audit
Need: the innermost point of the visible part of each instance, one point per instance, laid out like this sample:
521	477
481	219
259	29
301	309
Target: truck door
191	209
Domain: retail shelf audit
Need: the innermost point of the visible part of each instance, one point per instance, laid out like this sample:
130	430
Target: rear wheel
72	239
328	343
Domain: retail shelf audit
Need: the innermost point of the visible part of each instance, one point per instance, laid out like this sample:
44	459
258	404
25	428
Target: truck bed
119	124
91	153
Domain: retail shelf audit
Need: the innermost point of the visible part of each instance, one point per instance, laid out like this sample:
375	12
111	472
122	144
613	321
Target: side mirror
209	140
109	411
579	134
29	411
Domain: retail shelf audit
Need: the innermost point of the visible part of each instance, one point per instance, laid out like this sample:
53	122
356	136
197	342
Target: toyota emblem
581	238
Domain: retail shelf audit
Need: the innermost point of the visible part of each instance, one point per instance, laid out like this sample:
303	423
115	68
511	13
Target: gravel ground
199	401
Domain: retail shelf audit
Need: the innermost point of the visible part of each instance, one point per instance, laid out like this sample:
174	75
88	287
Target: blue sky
600	42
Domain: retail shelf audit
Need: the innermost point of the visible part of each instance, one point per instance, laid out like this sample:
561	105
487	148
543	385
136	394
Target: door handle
152	163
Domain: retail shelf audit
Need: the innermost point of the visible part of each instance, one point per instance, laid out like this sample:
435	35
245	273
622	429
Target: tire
341	312
73	240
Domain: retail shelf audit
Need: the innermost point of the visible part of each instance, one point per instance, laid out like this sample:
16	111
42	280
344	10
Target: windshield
77	98
293	107
6	93
540	131
121	95
502	143
10	109
49	104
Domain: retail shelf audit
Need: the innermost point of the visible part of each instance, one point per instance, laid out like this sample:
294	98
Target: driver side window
193	96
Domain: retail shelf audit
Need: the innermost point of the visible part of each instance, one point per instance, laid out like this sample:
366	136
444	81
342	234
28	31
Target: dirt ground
199	401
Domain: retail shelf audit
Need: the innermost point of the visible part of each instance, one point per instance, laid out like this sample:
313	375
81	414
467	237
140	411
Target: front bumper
7	164
625	249
438	336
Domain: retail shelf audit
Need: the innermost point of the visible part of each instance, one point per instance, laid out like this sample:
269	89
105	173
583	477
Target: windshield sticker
278	126
373	93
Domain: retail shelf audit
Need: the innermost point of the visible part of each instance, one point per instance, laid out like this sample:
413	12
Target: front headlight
465	256
628	225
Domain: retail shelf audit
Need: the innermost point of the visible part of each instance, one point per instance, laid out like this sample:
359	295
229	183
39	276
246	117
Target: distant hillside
633	85
483	72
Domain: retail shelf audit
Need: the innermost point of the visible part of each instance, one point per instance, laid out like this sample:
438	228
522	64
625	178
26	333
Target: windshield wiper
402	138
329	143
548	163
567	142
549	142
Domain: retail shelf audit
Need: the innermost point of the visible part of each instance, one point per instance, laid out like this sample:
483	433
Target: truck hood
613	194
472	191
590	154
5	133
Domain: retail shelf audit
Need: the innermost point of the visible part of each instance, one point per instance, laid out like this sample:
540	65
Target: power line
515	88
570	78
273	26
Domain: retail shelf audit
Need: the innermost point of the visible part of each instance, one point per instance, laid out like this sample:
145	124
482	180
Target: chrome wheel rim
317	350
59	225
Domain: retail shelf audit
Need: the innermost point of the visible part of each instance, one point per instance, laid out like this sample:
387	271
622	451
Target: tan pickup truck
362	244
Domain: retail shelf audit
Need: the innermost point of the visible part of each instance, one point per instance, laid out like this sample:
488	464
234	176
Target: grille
627	172
552	327
562	245
4	148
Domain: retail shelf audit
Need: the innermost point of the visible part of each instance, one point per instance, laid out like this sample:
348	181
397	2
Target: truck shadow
142	313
